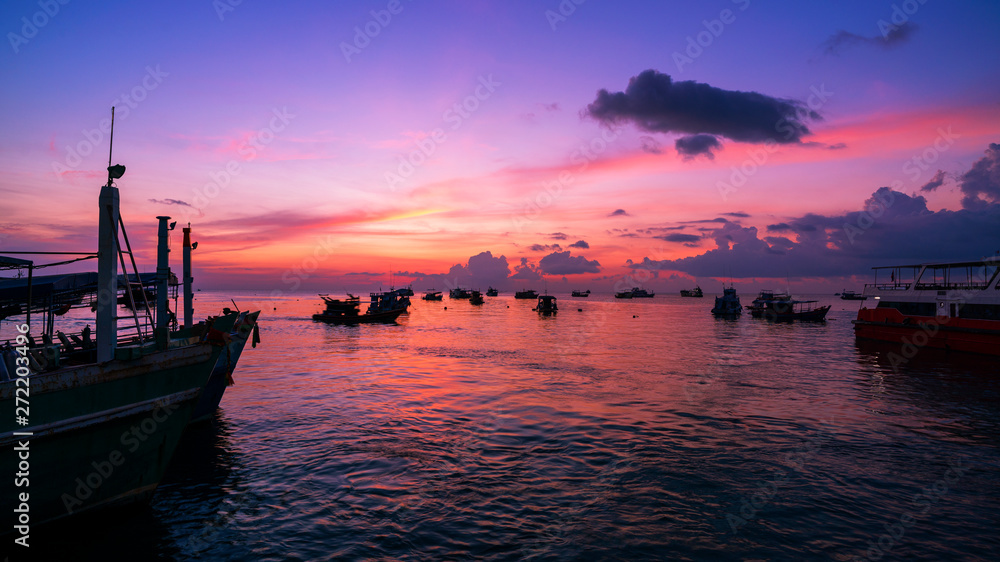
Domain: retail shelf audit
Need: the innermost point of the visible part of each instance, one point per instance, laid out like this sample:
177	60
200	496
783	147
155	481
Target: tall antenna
111	144
117	171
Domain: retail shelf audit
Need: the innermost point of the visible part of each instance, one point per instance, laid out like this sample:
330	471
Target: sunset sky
588	144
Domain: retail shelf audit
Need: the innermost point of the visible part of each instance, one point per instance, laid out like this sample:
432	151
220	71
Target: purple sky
314	143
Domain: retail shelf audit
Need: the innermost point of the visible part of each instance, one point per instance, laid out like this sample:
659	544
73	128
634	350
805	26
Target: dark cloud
545	247
678	237
580	244
982	180
837	146
779	243
481	270
892	227
695	145
653	229
562	263
619	213
935	182
171	202
526	271
557	236
845	39
780	227
363	274
655	103
650	145
737	214
700	221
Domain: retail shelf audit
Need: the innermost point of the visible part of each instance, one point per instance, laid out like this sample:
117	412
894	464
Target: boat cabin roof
973	263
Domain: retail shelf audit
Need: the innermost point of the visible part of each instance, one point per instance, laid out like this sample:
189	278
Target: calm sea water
641	429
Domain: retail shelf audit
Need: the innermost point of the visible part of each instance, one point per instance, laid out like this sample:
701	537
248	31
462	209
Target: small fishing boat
526	294
785	309
139	295
634	293
491	292
581	293
852	296
384	307
728	304
459	293
767	295
476	298
696	292
546	305
432	296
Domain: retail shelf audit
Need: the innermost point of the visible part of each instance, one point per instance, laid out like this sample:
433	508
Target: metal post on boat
188	295
162	274
107	274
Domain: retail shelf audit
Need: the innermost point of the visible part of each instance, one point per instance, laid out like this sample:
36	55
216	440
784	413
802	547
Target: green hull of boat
101	435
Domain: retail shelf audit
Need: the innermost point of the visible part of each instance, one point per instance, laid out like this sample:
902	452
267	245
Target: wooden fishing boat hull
388	316
101	434
815	315
221	375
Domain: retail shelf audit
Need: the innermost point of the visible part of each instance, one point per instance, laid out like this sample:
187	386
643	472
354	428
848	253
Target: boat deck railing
889	286
950	286
905	286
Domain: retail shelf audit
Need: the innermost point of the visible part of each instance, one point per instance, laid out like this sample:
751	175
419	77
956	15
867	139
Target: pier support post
162	274
107	274
188	280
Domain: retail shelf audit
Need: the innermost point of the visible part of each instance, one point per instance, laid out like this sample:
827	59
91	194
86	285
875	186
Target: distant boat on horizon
526	294
634	293
696	292
581	293
459	293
